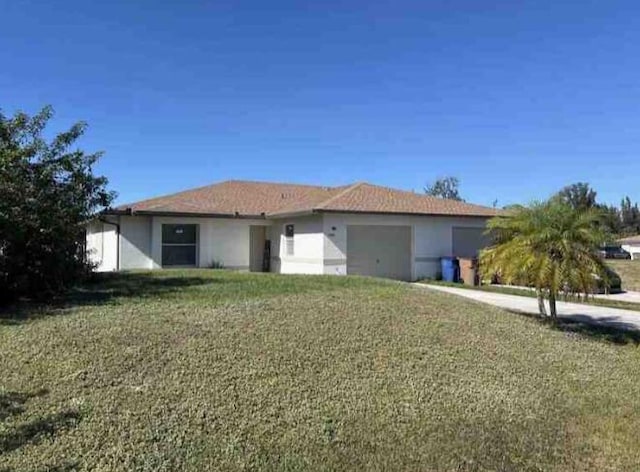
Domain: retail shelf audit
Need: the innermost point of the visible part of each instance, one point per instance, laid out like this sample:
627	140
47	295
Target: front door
257	236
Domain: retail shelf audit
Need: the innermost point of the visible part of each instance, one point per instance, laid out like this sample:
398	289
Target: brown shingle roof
367	198
244	198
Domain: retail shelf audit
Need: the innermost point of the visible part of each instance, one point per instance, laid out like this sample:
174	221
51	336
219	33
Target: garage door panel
379	251
467	242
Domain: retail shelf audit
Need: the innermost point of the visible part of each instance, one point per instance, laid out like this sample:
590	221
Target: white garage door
467	242
379	251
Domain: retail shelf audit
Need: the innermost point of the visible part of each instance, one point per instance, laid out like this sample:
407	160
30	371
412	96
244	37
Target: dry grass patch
629	271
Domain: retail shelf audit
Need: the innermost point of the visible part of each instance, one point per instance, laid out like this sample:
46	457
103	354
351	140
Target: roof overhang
115	212
391	213
290	214
185	214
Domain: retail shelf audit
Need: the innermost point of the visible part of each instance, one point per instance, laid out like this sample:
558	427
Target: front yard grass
214	370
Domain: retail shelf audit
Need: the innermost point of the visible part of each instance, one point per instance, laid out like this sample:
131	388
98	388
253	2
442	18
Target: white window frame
289	241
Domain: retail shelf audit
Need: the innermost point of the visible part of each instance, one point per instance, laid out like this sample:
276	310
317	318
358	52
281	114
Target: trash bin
450	269
469	271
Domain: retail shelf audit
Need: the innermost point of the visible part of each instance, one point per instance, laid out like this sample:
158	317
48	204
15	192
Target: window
179	245
288	239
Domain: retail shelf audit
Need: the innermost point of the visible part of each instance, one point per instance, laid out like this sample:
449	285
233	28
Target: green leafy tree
446	187
617	221
580	196
611	220
550	246
630	217
47	192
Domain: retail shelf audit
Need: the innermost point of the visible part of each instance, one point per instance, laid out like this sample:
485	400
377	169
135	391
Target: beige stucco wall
320	241
431	239
135	242
223	240
101	246
308	242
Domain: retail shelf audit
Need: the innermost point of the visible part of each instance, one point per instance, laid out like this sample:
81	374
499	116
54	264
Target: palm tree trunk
541	306
552	306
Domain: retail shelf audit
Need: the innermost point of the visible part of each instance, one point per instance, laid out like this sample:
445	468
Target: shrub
47	194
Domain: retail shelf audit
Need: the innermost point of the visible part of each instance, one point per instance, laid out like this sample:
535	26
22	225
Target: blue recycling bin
450	269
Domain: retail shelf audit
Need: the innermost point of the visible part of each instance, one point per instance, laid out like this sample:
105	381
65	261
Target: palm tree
549	246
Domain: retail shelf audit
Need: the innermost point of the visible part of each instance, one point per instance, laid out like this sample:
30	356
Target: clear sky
516	98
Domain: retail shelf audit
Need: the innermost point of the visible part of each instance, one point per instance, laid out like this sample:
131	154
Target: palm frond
547	245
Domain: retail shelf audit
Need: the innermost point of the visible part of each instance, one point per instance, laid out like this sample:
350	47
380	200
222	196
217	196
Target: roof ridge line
339	195
279	183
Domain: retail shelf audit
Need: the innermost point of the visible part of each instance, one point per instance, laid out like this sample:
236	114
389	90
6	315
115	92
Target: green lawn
629	271
213	370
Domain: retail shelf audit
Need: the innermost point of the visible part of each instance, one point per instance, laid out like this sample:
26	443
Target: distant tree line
617	221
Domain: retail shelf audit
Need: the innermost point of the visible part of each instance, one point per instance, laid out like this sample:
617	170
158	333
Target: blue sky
516	98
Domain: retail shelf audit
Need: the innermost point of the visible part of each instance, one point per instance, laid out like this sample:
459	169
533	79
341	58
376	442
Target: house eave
280	215
115	212
186	214
390	213
290	214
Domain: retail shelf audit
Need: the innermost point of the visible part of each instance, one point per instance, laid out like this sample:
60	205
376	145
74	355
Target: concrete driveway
596	315
627	296
633	297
